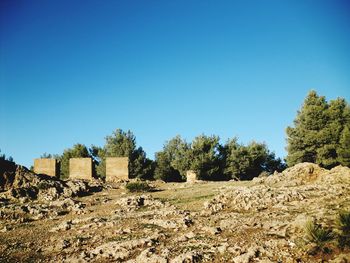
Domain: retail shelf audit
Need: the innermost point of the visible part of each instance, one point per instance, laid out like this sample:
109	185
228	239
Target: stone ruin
117	169
80	168
191	176
47	166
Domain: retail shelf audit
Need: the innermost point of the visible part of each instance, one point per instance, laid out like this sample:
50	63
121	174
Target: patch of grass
138	187
118	238
319	236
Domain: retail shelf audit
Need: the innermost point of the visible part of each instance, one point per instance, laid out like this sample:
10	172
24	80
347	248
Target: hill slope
258	221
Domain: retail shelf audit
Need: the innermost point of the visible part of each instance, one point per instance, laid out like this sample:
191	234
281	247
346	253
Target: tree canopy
205	157
173	161
123	144
212	161
320	132
77	151
246	162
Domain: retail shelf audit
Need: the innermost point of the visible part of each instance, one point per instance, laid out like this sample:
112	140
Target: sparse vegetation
139	186
130	225
319	236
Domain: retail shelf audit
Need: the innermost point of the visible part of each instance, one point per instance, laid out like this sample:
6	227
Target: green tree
3	157
344	147
304	138
205	157
246	162
338	115
77	151
172	162
49	155
123	144
164	171
317	131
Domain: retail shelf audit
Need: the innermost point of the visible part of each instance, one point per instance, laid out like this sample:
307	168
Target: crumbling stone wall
117	168
47	166
191	176
80	168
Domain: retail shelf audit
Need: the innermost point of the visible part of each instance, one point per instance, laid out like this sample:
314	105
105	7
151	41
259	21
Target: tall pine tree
304	138
317	131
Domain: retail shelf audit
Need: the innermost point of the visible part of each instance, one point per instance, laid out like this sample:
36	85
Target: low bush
138	187
320	236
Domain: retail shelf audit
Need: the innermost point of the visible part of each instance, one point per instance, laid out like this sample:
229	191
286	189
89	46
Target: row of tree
321	134
212	161
205	155
119	144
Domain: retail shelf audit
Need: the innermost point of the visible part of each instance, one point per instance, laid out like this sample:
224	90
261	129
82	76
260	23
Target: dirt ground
256	221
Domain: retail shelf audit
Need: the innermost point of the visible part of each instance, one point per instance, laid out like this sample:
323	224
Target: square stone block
117	168
47	166
191	176
80	168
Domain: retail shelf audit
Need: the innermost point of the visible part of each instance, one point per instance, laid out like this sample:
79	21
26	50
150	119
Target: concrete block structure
80	168
47	166
191	176
117	169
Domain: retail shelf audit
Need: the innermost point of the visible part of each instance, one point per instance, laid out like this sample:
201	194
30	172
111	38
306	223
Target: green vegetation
246	162
123	144
3	157
320	133
140	186
344	228
206	158
318	235
322	237
213	161
77	151
173	161
344	147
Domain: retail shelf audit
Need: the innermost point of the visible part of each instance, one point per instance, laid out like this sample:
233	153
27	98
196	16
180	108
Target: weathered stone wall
46	166
191	176
117	168
80	168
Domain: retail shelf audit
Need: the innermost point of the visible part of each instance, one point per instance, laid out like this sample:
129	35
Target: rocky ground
46	220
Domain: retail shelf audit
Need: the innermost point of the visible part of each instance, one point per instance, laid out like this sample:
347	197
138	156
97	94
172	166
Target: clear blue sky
73	71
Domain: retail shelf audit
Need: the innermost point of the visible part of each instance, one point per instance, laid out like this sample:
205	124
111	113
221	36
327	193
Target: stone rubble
263	221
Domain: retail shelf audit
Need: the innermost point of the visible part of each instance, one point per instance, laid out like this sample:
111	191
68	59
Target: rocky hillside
47	220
